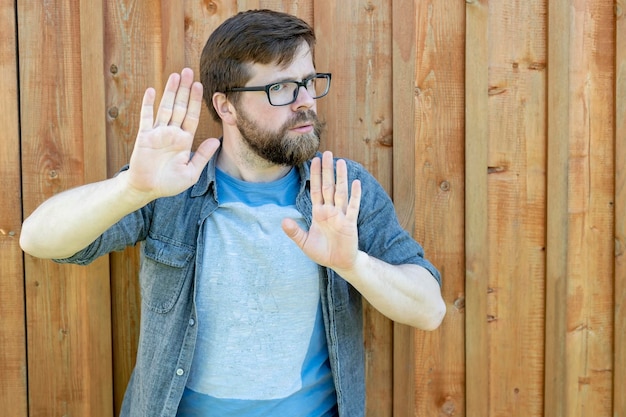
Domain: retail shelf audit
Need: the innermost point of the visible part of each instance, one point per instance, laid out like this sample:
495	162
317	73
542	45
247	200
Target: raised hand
332	239
160	164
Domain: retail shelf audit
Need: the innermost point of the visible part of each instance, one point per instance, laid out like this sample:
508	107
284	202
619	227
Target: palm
332	239
160	160
160	164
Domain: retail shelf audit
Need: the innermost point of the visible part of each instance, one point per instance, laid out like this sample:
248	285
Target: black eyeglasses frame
302	83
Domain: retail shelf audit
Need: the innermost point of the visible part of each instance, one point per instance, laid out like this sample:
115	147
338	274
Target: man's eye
276	87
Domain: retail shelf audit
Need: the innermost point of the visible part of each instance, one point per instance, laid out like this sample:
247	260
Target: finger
203	154
146	120
328	178
181	101
341	187
295	232
192	116
316	181
166	106
352	212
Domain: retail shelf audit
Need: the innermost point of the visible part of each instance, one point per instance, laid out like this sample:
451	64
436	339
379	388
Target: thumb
294	232
204	152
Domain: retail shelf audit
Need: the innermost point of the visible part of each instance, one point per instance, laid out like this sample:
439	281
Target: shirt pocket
164	268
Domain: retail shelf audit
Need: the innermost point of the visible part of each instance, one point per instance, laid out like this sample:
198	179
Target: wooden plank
172	37
619	367
476	208
429	195
557	229
129	71
13	389
68	307
97	304
404	70
589	356
516	166
354	44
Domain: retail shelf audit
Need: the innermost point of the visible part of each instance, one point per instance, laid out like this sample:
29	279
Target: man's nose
303	98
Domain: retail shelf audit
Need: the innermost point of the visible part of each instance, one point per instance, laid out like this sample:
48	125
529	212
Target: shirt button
180	372
192	322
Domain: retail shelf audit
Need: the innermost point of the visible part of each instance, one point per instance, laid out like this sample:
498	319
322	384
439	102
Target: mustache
304	116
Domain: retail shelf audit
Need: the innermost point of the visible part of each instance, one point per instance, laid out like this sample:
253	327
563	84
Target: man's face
283	135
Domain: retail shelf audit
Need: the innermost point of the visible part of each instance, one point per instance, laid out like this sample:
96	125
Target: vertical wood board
13	388
476	209
557	197
429	186
67	308
516	171
404	16
589	340
619	367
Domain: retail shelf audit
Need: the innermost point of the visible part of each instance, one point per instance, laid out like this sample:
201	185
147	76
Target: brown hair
255	36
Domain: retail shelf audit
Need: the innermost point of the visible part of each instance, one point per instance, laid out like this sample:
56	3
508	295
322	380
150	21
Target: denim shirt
171	234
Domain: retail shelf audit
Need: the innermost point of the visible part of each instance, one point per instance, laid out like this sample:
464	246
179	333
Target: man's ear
224	108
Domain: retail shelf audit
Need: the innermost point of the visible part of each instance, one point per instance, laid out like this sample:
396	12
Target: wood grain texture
516	200
589	339
477	253
404	18
13	388
619	367
67	307
429	195
557	227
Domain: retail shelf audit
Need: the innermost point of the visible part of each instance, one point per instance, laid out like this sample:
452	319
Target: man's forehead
300	66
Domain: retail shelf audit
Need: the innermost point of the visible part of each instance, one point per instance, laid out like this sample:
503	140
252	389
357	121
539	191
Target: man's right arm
71	220
160	166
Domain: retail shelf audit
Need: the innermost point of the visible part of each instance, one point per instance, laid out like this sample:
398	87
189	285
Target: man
255	251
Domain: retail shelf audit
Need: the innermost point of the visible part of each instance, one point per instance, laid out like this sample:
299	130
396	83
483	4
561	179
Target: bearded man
256	249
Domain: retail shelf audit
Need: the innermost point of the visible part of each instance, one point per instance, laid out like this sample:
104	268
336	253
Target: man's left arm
405	293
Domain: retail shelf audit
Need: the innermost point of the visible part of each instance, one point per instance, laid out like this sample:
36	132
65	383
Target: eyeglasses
286	92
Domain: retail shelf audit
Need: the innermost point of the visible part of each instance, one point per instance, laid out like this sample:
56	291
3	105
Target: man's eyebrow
287	79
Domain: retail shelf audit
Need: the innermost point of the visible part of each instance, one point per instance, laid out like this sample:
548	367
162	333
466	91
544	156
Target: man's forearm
71	220
407	294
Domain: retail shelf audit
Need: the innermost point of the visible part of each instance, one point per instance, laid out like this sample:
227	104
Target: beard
281	147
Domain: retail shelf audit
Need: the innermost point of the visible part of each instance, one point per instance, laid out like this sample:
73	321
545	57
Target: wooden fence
499	128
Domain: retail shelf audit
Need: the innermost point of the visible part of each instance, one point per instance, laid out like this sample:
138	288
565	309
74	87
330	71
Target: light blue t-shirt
261	348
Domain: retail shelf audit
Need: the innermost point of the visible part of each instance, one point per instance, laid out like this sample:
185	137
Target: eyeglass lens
287	92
